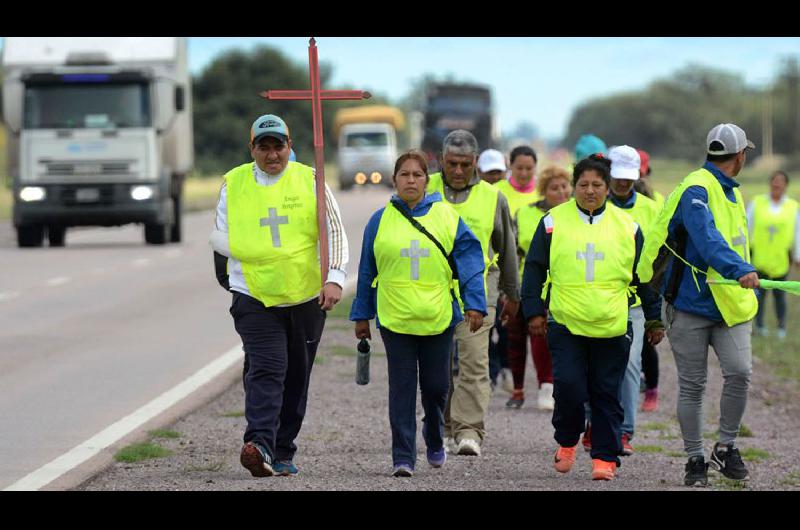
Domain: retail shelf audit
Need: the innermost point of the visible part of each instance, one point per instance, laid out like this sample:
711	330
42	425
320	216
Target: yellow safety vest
735	304
478	213
516	199
773	235
528	218
414	278
591	268
644	212
272	231
660	200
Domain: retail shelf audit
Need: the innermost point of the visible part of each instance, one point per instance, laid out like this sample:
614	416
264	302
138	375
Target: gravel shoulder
345	443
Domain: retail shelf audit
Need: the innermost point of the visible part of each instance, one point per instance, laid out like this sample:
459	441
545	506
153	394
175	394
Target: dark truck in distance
450	106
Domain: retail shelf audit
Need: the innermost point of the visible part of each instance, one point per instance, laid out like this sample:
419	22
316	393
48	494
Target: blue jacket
467	253
704	246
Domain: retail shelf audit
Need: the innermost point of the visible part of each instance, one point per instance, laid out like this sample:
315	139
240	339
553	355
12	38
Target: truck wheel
56	234
30	235
344	186
176	230
155	233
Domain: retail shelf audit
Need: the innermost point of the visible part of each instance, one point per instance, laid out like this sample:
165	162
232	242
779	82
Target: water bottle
362	363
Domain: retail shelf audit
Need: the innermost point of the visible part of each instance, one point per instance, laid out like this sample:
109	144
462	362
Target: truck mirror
180	98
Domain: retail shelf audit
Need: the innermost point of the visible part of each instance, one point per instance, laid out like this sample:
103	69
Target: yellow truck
367	144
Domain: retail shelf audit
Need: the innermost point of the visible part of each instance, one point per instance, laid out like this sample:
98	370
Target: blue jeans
404	354
629	391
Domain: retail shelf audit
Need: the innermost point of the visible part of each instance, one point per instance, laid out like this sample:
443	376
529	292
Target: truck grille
59	168
104	196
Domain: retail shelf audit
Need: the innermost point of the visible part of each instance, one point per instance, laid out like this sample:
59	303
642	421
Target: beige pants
470	390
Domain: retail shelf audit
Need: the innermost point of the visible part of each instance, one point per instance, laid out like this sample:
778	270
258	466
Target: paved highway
91	332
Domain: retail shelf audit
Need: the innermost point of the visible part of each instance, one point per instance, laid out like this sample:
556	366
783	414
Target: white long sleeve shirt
337	238
775	207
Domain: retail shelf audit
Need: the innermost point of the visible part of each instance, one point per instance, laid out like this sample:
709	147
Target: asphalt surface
93	331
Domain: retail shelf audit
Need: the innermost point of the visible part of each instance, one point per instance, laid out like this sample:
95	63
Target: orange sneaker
565	457
650	403
602	470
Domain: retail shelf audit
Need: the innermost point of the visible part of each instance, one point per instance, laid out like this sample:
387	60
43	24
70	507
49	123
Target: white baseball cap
491	160
625	162
730	136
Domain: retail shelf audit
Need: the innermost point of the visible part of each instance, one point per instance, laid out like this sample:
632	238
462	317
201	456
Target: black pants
780	302
588	369
280	344
498	352
650	365
405	354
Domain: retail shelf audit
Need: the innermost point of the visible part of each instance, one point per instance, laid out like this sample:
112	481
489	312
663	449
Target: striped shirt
337	238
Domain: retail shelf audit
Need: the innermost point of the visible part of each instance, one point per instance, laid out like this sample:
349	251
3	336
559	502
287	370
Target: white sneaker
468	446
545	399
763	332
449	444
782	334
506	380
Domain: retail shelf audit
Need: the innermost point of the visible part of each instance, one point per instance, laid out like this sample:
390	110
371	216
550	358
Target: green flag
789	287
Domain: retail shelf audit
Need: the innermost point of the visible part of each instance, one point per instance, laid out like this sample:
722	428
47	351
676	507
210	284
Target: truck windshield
89	105
367	139
474	104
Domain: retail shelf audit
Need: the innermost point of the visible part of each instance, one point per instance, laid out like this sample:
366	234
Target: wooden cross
316	95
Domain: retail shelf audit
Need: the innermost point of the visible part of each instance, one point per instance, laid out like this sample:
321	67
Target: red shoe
627	449
565	457
587	438
650	403
602	470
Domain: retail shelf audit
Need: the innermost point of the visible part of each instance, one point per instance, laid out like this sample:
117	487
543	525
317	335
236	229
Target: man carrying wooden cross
267	226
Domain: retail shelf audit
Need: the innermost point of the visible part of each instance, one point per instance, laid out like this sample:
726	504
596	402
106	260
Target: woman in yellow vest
580	266
520	188
773	220
406	277
554	185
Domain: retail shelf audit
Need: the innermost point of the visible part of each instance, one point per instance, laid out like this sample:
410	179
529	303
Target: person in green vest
580	267
703	231
266	227
485	211
555	188
406	279
646	311
774	219
520	187
643	185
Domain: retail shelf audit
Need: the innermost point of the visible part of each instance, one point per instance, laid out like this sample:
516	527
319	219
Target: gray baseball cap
269	125
732	138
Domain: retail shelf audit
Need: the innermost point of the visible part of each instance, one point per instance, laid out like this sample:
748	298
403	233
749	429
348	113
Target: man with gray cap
703	229
485	211
266	225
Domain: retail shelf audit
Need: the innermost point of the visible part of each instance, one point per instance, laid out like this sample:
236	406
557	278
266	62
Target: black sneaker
727	460
696	471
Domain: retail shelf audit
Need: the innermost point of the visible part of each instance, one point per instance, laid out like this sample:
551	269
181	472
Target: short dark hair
717	146
596	162
523	150
779	172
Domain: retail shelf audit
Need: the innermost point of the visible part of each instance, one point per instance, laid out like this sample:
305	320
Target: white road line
8	295
61	280
83	452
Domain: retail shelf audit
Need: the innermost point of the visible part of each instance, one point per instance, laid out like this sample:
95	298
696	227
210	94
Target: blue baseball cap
269	125
589	144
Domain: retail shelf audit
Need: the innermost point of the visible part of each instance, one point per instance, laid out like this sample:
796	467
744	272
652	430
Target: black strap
449	257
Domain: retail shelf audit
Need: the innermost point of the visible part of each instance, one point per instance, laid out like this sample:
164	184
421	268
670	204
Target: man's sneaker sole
252	460
469	449
696	482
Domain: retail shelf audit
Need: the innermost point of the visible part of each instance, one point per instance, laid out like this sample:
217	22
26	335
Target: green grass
652	426
141	451
727	484
754	454
745	432
676	454
343	351
233	414
649	449
792	479
164	433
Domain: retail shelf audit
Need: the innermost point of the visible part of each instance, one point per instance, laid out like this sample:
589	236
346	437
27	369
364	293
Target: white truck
99	133
367	146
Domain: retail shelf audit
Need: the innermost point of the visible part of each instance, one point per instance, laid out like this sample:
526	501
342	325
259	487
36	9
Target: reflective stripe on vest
414	278
478	212
516	199
735	304
773	235
272	231
591	267
528	218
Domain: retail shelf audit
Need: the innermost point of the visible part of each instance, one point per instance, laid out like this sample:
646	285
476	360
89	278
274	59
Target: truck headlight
375	177
142	193
360	178
32	193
